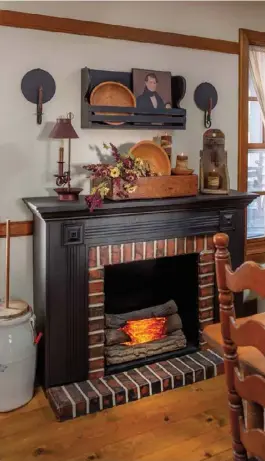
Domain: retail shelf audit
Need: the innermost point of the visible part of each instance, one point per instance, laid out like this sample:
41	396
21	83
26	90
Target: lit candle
182	161
213	180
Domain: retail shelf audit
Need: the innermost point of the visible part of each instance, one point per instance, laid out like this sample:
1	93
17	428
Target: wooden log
173	323
114	336
120	353
163	310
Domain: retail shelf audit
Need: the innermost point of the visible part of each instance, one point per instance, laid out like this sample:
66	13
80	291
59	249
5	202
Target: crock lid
16	308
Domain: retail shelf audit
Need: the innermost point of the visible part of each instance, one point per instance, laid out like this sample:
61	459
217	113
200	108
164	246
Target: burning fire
145	330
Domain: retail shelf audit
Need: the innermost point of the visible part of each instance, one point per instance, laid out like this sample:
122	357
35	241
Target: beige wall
28	157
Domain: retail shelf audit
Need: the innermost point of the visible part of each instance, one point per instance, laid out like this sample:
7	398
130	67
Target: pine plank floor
188	424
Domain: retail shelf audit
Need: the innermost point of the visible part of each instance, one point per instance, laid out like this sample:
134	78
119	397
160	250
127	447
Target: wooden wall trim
17	228
243	111
97	29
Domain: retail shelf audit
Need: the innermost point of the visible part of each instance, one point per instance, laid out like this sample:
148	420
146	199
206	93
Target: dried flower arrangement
125	172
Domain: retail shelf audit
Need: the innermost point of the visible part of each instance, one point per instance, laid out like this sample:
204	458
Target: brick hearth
101	256
78	399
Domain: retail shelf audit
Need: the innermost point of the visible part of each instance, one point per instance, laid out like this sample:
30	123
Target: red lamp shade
63	129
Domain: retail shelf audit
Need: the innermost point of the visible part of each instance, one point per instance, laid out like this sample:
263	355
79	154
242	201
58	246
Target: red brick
96	364
203	315
160	248
96	274
206	279
139	251
95	375
96	311
149	250
98	338
96	299
203	303
199	243
96	287
171	247
190	245
201	338
206	291
96	352
104	256
181	246
116	254
205	324
210	245
206	257
206	269
94	325
92	257
127	252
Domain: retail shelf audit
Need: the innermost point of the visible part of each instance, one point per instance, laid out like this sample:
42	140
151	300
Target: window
256	166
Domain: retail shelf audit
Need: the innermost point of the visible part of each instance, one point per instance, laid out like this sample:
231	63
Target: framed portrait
152	89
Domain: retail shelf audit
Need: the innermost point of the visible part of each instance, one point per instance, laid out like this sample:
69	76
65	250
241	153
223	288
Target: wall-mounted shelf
133	118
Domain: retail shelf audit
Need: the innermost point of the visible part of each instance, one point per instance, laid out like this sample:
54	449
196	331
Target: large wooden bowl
112	94
154	154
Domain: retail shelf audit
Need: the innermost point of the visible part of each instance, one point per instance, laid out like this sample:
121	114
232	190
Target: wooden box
156	187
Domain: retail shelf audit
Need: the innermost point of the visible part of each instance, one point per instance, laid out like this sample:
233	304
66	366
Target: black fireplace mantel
62	236
134	220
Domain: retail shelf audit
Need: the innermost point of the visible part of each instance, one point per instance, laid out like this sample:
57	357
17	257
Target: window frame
254	247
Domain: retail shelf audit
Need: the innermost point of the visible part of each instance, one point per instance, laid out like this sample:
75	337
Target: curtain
257	72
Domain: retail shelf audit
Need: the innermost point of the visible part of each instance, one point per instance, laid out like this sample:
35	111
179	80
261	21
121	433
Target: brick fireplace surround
71	248
101	256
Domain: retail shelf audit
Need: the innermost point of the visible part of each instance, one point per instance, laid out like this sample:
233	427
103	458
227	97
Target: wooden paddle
7	263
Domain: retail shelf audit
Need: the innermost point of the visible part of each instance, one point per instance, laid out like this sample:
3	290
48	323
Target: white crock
17	361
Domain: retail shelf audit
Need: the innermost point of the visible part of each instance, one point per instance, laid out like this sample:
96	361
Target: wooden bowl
154	154
112	94
179	171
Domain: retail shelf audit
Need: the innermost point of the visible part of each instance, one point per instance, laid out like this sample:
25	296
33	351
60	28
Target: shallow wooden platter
112	94
154	154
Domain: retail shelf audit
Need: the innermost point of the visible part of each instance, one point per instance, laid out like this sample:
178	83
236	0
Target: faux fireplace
151	310
147	260
161	286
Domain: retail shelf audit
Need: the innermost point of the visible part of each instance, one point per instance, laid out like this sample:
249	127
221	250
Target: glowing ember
145	330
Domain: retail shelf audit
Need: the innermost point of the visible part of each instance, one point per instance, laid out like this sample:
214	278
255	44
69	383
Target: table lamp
63	129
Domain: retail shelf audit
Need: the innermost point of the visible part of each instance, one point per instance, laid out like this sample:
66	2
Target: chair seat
248	356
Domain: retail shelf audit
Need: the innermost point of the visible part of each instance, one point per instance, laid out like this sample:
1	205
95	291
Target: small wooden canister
166	143
182	162
213	180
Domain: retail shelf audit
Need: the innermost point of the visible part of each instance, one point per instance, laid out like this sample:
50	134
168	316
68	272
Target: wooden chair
243	351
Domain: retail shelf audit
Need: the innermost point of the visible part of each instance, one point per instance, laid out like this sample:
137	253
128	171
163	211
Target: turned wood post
226	304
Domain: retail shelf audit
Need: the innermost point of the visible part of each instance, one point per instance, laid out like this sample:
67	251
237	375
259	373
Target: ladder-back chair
246	385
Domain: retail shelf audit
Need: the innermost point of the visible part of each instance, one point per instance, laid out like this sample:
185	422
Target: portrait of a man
152	89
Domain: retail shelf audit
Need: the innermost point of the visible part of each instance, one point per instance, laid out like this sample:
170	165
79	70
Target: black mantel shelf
62	236
51	208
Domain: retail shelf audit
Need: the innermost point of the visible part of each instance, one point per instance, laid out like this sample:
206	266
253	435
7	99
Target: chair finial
221	240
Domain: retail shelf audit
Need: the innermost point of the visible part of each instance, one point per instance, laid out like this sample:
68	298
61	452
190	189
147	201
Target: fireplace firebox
151	311
81	261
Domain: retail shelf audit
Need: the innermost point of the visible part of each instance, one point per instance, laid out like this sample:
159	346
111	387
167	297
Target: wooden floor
188	424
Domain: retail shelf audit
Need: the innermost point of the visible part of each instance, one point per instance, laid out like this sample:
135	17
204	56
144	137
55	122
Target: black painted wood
63	233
